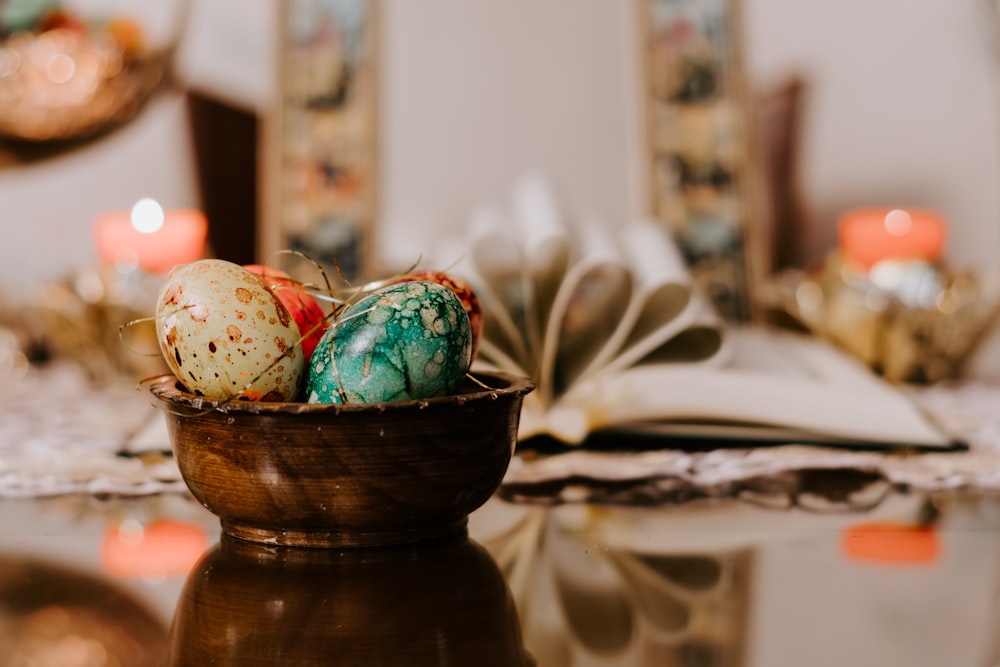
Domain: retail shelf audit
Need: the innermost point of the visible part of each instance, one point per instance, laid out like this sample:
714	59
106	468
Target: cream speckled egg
224	334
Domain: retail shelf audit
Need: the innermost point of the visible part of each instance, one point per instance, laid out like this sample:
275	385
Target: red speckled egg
303	306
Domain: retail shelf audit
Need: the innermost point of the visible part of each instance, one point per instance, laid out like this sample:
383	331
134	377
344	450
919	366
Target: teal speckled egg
406	341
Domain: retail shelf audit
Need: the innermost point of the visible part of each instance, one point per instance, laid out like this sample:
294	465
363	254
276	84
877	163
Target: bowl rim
168	390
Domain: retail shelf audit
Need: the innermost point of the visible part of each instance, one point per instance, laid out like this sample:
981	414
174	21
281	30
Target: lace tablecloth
59	434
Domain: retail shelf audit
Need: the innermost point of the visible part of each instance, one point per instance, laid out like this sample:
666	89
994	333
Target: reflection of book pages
617	336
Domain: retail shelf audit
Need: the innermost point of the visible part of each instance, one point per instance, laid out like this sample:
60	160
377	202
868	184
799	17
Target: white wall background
903	109
475	93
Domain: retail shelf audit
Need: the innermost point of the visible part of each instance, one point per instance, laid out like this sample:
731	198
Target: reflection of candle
161	549
151	238
890	542
868	236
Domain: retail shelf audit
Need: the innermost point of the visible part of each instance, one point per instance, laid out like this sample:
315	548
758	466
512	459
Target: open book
617	336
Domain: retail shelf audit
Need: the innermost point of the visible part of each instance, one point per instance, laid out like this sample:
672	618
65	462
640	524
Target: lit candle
150	238
869	236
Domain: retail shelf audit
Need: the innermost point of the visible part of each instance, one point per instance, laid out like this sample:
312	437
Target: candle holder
910	321
80	319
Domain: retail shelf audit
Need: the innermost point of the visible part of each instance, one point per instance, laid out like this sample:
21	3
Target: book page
773	379
546	249
517	260
591	301
504	350
565	301
492	265
666	303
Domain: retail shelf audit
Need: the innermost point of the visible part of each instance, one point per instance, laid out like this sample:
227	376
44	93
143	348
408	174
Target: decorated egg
302	305
406	341
225	334
465	293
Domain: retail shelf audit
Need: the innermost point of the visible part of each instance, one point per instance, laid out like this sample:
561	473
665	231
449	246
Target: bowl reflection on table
345	475
442	602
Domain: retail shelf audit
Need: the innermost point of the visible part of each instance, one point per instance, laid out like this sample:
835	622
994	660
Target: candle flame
898	222
147	216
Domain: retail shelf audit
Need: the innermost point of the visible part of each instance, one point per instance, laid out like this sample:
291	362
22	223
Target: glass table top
912	581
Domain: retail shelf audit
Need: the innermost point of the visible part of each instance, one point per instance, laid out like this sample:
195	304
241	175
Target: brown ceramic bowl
304	474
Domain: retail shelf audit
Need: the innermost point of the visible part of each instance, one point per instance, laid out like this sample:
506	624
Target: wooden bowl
303	474
441	602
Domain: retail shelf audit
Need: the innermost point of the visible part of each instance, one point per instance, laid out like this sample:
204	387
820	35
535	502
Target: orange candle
869	236
151	238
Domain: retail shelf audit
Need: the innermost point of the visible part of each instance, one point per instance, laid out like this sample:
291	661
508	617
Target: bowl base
342	537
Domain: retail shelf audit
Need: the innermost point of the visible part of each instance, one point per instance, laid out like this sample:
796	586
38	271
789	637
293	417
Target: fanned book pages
619	340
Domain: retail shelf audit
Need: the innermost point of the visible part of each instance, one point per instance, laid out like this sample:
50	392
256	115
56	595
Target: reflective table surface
151	581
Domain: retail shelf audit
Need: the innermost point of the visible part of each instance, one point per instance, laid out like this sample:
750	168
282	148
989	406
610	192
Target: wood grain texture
345	475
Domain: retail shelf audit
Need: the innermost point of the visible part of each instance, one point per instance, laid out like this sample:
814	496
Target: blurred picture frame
703	177
320	168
